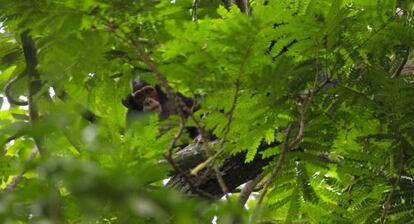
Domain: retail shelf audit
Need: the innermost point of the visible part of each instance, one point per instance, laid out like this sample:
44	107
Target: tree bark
242	4
234	170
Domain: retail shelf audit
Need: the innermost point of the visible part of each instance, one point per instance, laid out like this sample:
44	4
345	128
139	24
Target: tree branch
243	6
16	179
402	63
194	10
8	87
275	171
235	172
303	102
34	85
221	148
386	205
249	188
302	110
169	157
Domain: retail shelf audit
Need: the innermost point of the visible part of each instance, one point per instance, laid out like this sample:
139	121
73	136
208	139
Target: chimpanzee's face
148	98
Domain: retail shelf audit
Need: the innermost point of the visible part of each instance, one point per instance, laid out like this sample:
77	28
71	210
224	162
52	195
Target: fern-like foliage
328	71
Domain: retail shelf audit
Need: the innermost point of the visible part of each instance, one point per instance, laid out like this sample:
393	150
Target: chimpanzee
146	99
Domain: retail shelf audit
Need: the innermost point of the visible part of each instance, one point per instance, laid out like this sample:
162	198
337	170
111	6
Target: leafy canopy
353	164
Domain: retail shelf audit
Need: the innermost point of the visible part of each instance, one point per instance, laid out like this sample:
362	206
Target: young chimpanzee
146	98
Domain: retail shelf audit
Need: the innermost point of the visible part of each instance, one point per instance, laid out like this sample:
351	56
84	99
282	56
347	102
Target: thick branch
234	170
185	175
249	188
408	68
403	62
194	10
226	130
243	6
230	114
34	85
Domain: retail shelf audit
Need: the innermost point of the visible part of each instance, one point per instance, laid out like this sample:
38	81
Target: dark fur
168	107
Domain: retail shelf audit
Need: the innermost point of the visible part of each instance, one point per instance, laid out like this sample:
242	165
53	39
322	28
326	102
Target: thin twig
275	172
303	103
302	110
15	136
231	113
16	179
226	130
387	202
317	65
221	181
225	133
176	137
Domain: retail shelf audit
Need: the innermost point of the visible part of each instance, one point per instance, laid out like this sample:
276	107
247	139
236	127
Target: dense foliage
322	78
